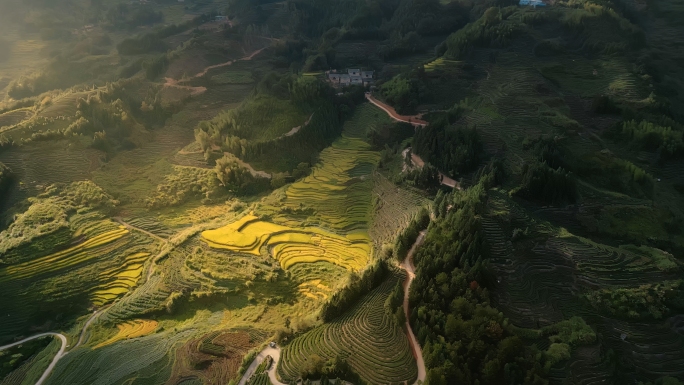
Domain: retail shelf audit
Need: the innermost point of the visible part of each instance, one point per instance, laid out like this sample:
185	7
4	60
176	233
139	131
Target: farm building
353	76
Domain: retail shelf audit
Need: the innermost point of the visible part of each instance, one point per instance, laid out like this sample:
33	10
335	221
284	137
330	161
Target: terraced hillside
75	261
366	337
550	280
290	245
337	194
395	207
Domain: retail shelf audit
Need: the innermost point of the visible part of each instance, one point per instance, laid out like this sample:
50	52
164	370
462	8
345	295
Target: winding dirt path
58	356
211	67
131	227
81	338
268	351
415	120
295	130
410	269
194	91
406	265
62	350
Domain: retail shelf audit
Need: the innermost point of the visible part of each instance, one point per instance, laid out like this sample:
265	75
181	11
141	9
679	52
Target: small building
221	18
334	77
356	79
345	79
367	75
354	72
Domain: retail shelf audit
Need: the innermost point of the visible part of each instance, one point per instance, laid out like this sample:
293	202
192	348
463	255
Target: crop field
102	263
64	105
150	224
14	117
314	289
131	360
290	245
339	190
173	277
215	357
61	260
25	55
130	329
259	379
233	77
119	280
587	78
395	207
366	336
440	64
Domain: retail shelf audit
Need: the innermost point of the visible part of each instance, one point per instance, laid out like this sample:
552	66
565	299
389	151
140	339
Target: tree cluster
358	286
238	179
452	150
491	30
6	178
408	237
465	340
390	134
649	136
231	132
425	178
543	183
406	91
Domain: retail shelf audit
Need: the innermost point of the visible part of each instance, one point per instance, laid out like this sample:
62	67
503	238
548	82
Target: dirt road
407	265
418	162
58	356
173	83
268	351
414	119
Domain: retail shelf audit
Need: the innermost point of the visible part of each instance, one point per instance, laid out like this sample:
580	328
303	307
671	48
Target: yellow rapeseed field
62	259
291	245
131	329
120	280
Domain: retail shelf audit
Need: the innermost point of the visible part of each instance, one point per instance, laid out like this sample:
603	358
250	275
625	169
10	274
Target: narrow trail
268	351
194	91
295	130
416	122
255	173
211	67
81	337
131	227
410	269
